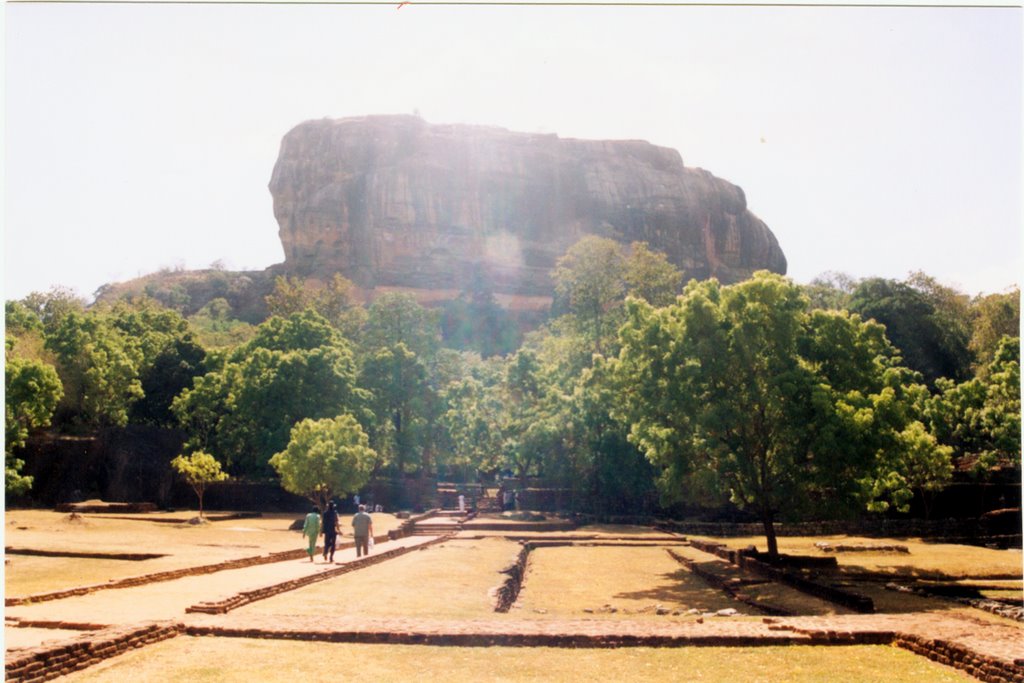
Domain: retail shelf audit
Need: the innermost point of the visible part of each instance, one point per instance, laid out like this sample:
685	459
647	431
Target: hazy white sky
874	141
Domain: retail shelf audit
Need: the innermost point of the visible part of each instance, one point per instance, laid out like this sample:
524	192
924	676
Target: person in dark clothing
330	524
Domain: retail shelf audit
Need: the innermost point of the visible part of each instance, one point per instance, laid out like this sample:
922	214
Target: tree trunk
926	503
768	520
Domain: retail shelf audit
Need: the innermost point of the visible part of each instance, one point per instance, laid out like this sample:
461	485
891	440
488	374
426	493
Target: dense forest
837	397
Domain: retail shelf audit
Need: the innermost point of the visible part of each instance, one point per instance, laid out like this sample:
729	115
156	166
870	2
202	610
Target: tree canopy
32	391
735	390
199	469
325	458
293	369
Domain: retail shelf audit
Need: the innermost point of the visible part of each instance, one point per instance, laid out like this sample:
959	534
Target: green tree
953	317
24	333
336	303
590	284
325	458
51	307
169	357
399	342
199	469
32	392
289	296
921	465
919	323
244	408
397	380
215	326
474	418
994	316
303	330
394	317
333	300
611	475
531	431
830	291
741	390
99	368
477	322
981	418
19	319
649	276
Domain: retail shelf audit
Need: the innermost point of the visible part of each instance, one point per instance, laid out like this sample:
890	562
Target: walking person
330	531
362	526
311	529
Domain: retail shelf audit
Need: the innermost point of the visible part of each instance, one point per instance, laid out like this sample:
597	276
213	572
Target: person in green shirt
362	526
311	529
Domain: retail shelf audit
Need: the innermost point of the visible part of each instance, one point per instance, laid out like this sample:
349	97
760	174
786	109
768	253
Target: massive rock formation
393	201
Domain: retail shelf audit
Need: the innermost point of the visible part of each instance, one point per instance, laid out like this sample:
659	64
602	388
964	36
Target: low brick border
104	507
717	582
132	557
984	668
579	539
140	516
508	592
606	543
512	525
246	597
460	638
858	603
47	662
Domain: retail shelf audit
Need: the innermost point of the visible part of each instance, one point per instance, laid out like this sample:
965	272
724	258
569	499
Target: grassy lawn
182	544
450	580
633	580
187	659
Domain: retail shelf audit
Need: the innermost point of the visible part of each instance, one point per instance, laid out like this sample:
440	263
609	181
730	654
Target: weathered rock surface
393	201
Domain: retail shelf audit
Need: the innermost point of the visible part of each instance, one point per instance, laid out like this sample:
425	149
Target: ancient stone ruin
394	201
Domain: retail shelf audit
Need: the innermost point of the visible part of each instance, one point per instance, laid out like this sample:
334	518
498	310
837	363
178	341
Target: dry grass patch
450	580
567	581
230	660
183	544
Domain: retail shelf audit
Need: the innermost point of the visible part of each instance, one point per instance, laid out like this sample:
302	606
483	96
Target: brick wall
47	662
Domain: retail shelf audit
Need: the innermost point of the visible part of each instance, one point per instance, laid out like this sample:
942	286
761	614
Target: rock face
393	201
